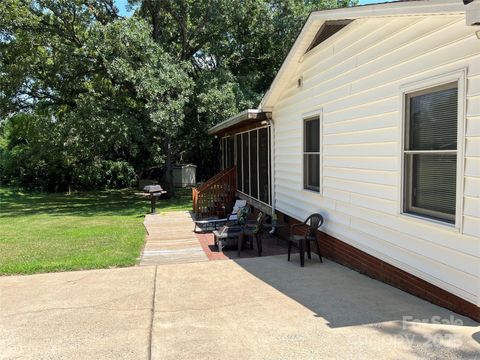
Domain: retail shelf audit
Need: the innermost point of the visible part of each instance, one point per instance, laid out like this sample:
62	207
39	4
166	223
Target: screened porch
249	151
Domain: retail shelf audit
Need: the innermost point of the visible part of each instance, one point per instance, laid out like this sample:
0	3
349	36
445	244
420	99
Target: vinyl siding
355	77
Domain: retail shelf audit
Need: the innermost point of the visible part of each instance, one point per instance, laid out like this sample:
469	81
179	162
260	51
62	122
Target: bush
32	158
119	174
104	174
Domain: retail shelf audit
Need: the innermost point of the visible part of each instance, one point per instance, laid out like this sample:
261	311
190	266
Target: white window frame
305	117
460	77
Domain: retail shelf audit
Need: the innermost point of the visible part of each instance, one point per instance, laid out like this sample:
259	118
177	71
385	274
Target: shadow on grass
96	203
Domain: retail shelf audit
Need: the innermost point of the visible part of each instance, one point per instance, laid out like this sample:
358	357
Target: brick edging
356	259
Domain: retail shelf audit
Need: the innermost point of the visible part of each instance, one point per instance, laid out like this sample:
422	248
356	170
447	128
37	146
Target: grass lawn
57	232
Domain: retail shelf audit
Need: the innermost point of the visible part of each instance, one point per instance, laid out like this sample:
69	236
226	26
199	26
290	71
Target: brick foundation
347	255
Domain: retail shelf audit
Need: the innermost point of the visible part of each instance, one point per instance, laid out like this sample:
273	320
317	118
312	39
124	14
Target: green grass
57	232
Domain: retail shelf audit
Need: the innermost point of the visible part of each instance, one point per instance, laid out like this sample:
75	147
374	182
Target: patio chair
302	242
254	229
232	230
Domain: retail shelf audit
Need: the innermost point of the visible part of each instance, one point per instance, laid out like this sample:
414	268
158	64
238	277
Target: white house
373	121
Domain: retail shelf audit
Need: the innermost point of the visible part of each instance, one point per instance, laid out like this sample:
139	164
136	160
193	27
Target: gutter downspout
472	13
272	176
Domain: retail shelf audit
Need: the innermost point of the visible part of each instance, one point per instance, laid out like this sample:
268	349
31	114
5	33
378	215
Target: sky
121	4
122	7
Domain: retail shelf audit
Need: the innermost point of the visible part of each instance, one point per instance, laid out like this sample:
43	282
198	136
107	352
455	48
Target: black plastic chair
302	242
253	229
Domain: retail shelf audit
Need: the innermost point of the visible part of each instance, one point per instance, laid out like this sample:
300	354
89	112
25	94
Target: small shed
184	175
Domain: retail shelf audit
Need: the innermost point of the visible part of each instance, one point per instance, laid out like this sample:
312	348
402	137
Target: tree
110	95
234	48
111	98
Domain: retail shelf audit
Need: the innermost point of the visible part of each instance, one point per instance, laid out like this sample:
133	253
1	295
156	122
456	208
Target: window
311	154
430	152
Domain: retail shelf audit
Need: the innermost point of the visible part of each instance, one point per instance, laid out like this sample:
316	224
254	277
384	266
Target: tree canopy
90	99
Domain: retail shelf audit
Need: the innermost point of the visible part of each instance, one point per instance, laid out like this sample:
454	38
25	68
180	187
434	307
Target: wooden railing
217	195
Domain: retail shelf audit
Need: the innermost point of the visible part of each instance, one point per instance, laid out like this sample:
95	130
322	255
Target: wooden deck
171	240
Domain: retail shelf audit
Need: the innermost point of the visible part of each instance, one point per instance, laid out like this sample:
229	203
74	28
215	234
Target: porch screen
252	157
230	151
238	161
263	165
224	153
431	152
253	165
246	163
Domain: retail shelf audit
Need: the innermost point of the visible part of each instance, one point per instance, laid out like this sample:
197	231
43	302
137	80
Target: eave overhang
240	120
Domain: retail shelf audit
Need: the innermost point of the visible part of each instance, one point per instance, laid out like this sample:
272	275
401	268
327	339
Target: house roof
318	18
310	29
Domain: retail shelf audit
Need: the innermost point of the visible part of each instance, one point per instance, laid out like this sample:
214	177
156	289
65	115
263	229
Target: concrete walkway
171	240
257	308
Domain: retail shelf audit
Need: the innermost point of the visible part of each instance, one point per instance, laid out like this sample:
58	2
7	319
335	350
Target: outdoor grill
153	191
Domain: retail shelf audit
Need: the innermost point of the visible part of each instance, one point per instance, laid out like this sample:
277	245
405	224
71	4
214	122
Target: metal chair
302	242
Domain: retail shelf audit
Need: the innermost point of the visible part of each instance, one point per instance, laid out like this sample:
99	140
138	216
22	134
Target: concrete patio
256	308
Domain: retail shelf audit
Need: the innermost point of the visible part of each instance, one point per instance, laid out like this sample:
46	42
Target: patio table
209	222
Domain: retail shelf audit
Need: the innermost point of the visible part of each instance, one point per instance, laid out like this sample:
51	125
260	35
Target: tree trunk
170	188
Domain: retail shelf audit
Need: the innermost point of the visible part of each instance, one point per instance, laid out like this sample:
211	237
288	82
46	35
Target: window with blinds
430	152
311	154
